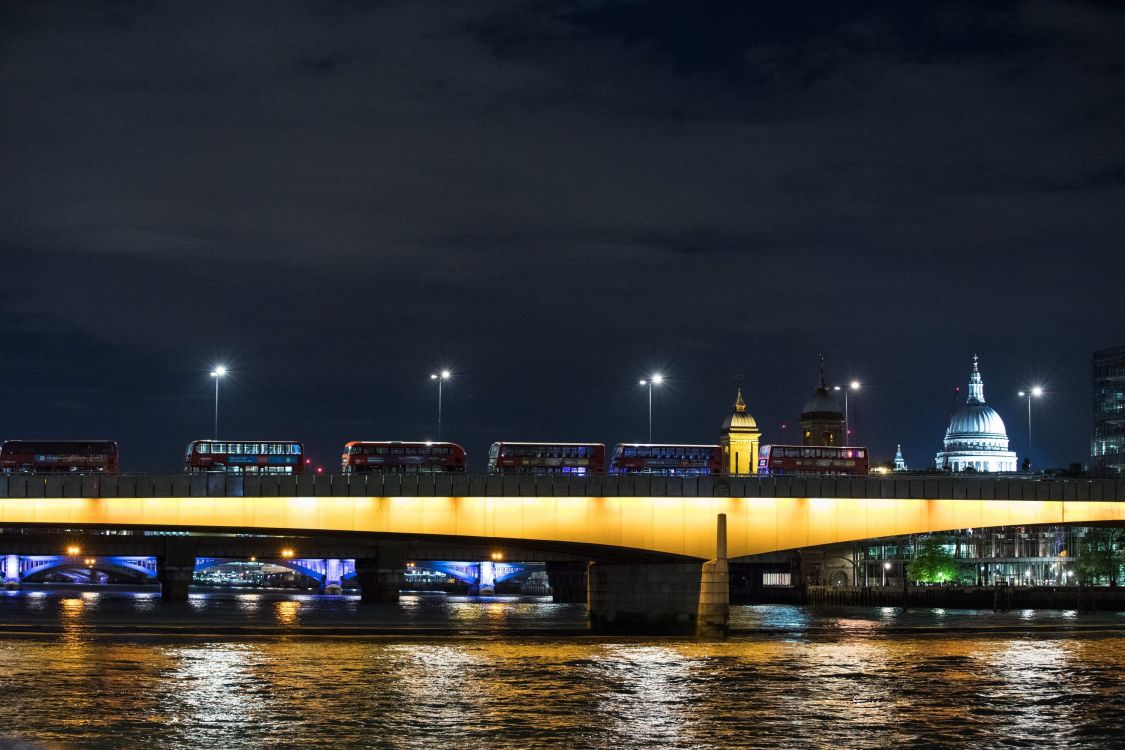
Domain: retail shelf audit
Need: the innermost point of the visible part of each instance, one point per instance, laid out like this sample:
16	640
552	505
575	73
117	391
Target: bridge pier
333	576
175	569
644	597
568	581
381	578
11	572
486	579
713	620
665	598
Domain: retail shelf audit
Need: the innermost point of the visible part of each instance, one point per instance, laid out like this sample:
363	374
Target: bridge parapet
422	485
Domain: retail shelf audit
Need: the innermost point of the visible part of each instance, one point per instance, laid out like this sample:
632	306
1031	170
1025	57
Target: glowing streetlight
217	374
886	567
1035	392
497	556
74	550
440	377
287	553
853	386
654	379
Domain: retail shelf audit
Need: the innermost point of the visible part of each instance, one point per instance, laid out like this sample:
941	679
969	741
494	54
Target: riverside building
1107	448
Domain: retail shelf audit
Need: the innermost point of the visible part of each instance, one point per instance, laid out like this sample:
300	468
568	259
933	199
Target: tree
933	563
1100	555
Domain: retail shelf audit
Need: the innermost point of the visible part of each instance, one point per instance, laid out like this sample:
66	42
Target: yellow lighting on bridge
497	556
678	526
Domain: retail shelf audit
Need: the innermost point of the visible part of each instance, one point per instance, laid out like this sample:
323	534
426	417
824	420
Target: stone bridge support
175	569
333	576
381	577
568	581
644	597
11	572
666	598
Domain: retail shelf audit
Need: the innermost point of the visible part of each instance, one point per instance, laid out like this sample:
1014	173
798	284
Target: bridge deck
377	485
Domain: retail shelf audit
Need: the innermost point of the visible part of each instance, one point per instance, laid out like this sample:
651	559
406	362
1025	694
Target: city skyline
673	401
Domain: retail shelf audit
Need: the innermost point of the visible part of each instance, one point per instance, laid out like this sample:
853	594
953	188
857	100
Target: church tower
739	438
822	419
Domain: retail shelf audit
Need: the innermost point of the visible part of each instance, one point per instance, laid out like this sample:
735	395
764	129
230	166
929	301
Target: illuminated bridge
646	535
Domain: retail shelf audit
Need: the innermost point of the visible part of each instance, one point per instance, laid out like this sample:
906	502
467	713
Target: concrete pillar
333	575
381	577
713	618
644	598
474	581
11	572
568	581
175	569
486	578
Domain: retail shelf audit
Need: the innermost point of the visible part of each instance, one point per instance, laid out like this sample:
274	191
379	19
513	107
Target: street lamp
655	379
853	386
1035	392
886	567
439	377
217	374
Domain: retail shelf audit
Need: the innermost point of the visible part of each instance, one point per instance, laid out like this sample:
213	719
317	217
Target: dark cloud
555	199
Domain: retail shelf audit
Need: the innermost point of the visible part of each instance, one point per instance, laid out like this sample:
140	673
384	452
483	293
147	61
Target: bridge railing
446	485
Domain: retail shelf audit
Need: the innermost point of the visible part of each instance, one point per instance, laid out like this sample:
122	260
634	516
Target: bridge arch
123	566
304	567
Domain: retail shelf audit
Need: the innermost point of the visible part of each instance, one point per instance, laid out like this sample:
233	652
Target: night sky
554	200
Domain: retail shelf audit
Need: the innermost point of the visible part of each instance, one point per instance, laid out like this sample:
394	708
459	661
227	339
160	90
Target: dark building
1107	449
822	420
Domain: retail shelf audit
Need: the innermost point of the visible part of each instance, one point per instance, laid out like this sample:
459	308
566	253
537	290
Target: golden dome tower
740	437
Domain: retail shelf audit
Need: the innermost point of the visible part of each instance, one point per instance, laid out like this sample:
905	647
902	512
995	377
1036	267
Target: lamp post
655	379
853	386
439	377
216	375
1035	392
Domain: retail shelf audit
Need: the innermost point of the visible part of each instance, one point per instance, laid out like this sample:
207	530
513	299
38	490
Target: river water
280	670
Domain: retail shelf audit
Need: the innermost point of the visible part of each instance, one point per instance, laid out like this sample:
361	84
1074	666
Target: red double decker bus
58	457
812	459
245	456
575	459
667	460
403	457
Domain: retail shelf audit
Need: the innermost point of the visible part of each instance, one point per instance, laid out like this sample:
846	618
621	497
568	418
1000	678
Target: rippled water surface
812	678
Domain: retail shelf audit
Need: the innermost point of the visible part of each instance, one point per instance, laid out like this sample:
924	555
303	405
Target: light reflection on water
816	677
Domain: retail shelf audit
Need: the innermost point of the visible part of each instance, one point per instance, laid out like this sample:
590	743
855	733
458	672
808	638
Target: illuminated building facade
822	419
1107	449
976	439
1010	555
900	462
739	438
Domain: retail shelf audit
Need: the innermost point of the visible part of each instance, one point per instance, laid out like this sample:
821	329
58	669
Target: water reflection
849	678
249	603
212	693
287	612
657	678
